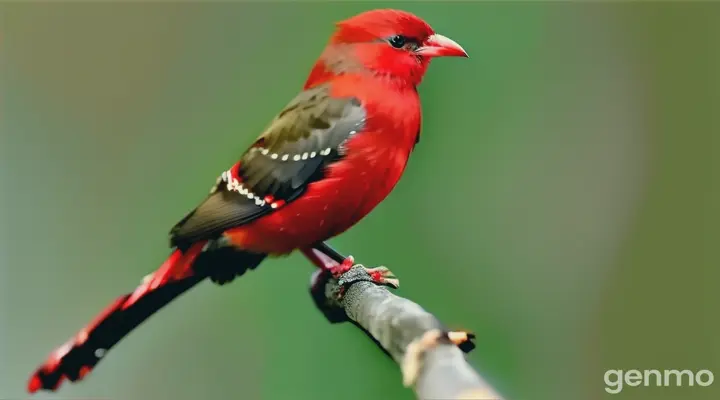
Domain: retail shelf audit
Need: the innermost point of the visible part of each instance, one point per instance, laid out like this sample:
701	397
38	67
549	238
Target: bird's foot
335	275
383	276
345	277
380	275
338	269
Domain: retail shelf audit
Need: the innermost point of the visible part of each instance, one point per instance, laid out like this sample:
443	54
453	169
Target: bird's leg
333	263
328	259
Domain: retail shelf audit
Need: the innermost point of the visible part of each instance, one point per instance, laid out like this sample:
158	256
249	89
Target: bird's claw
380	275
343	267
346	273
383	276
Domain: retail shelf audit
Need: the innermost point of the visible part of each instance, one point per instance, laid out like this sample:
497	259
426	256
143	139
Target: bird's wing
294	150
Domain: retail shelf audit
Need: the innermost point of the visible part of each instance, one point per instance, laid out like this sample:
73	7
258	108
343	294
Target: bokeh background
563	202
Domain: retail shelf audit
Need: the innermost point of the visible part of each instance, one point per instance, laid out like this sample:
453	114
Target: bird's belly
329	207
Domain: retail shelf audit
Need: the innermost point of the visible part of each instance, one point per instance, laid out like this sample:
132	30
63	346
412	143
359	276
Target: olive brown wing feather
292	152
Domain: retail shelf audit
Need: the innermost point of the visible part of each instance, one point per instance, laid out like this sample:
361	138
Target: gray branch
430	357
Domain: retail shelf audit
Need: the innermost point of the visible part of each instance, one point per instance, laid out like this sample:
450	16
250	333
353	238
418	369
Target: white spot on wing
233	184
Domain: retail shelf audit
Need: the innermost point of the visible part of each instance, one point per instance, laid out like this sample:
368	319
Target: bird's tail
82	352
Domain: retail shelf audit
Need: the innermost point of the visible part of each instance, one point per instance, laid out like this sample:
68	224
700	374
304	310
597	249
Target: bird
323	163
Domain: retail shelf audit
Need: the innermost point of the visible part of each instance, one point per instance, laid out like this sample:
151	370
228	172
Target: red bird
326	160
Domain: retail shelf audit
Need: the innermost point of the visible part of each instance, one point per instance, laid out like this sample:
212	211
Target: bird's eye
397	41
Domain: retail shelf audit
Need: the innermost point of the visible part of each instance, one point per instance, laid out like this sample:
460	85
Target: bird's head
390	42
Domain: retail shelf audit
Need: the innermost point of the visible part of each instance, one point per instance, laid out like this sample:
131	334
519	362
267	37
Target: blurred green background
563	202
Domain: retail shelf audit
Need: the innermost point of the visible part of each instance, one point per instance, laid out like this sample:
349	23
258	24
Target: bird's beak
441	46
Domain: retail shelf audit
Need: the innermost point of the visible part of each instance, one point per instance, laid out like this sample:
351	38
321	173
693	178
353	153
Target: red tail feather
81	353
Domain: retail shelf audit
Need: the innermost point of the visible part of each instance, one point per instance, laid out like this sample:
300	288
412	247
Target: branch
431	359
